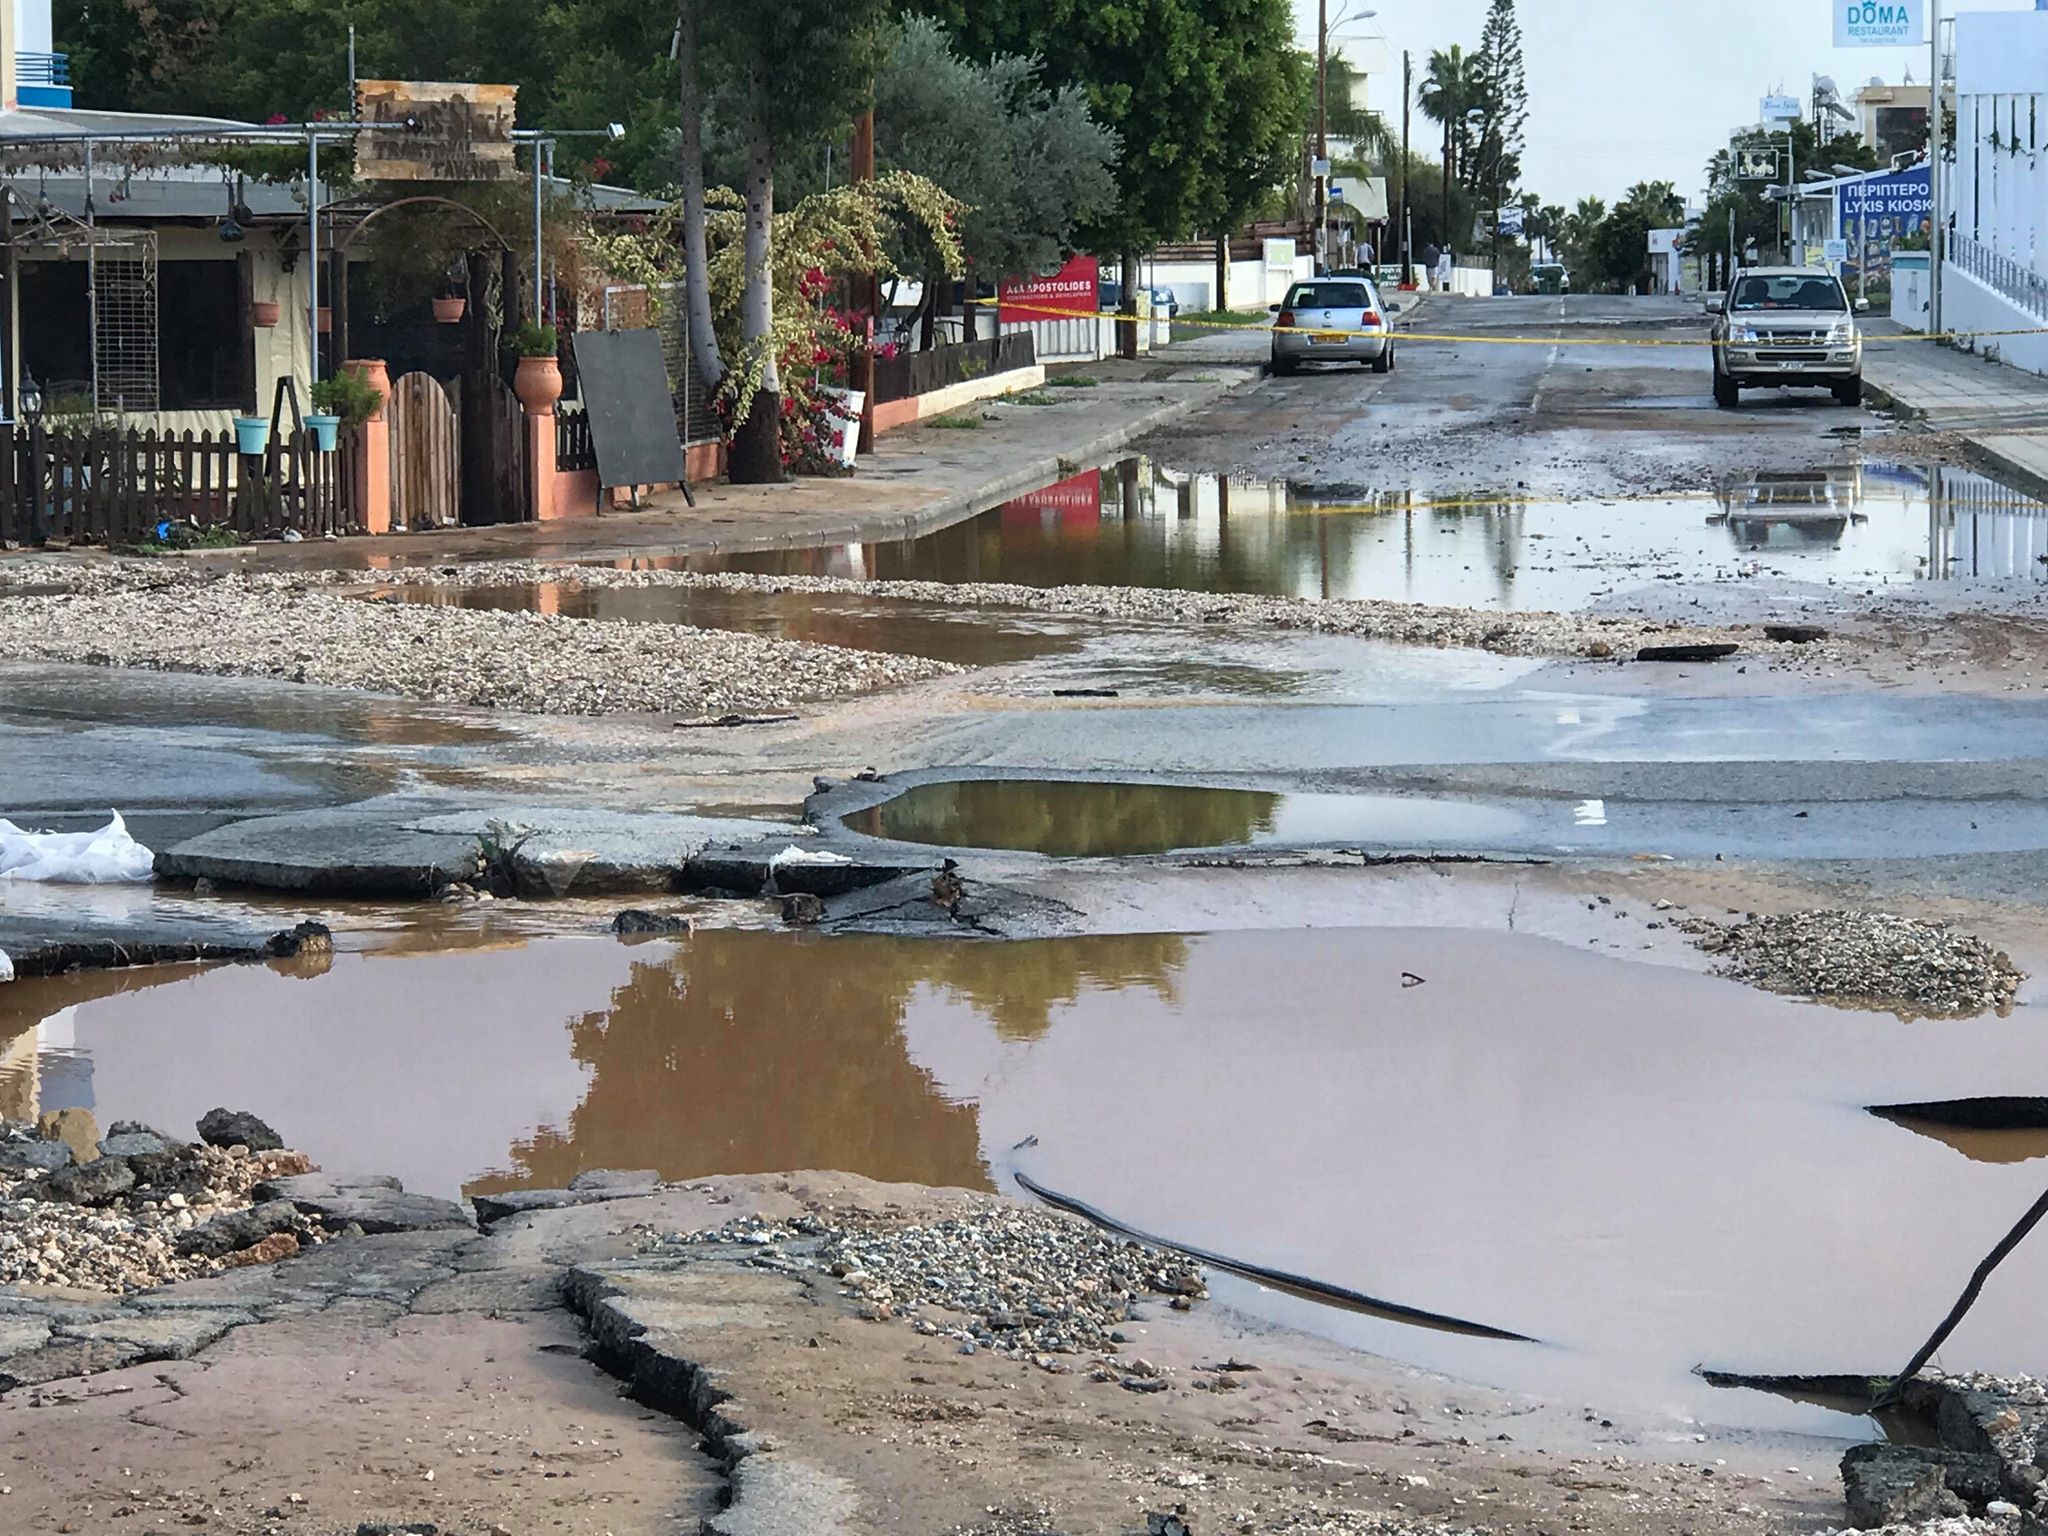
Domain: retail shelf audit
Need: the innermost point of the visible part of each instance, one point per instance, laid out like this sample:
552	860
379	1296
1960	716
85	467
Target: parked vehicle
1110	295
1784	327
1334	320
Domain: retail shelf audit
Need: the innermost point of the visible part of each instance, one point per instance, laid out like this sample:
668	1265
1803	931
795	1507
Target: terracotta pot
265	312
326	320
448	311
538	384
374	373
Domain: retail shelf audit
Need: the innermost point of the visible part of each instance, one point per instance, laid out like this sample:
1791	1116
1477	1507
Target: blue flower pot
323	429
252	433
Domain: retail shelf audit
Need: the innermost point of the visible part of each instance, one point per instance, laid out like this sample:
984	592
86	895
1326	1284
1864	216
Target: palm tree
1448	93
1581	224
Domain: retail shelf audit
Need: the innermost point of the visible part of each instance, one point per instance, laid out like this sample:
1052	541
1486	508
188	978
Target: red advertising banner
1072	290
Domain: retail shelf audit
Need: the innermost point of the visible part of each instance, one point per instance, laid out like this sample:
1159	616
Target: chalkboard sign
632	414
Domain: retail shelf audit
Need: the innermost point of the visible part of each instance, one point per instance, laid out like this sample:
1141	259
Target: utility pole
1937	247
1407	232
1322	165
867	289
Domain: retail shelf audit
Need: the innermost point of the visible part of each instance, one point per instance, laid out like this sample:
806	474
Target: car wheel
1727	393
1283	367
1850	391
1384	363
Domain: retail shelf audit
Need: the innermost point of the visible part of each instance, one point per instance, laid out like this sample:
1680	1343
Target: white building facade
1995	276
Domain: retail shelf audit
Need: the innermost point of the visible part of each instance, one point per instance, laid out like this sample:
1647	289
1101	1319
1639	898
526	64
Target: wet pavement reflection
1087	819
1643	1167
1139	523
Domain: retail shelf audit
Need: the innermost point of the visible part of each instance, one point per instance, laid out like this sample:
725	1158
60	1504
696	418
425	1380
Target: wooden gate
511	487
425	454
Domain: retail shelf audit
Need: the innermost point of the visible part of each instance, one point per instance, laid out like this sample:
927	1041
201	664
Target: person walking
1429	256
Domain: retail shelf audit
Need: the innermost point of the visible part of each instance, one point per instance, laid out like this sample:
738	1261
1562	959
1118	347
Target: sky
1622	91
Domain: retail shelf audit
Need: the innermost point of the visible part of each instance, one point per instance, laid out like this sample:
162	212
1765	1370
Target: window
205	353
1328	296
56	333
1789	291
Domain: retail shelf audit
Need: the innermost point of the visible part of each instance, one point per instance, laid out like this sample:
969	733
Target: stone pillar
373	450
538	384
540	461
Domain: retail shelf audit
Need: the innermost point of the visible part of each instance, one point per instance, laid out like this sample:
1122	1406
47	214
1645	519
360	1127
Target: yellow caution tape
1049	312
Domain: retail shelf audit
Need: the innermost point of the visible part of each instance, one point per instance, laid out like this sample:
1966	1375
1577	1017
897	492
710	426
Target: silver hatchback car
1334	320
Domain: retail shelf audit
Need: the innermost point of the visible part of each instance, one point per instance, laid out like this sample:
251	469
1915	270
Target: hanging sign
424	130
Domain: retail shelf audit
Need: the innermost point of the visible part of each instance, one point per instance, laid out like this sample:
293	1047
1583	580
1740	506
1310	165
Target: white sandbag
106	857
795	855
6	966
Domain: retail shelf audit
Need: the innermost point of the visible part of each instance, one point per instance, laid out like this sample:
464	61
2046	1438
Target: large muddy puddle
1644	1168
1073	818
1142	524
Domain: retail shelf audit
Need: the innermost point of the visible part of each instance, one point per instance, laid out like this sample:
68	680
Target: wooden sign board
424	130
625	387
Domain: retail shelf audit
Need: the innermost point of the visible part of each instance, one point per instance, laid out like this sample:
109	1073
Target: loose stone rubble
146	1211
267	626
1019	1281
1876	959
1511	634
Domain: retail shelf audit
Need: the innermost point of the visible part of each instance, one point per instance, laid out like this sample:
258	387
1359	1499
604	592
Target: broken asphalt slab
408	847
47	940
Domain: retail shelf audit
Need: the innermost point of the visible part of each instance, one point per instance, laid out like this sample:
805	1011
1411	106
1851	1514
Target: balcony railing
2016	280
42	68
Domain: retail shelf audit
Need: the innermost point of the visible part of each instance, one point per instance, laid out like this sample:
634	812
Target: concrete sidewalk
2001	413
918	479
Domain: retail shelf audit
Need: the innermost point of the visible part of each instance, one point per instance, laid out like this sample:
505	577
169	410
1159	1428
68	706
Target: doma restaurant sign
1879	23
430	131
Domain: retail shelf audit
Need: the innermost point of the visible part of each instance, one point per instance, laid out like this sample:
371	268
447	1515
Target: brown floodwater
1642	1167
1074	818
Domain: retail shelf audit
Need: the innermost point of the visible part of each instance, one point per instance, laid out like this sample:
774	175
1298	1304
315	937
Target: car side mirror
1393	309
1863	306
1275	308
1715	307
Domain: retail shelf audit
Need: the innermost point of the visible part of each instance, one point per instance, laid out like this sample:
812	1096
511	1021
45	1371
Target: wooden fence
101	485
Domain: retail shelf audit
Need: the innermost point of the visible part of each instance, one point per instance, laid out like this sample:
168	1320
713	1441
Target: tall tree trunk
1223	271
704	353
1127	327
756	457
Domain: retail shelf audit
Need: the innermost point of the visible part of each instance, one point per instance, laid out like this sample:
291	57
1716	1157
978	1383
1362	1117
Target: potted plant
343	397
449	308
538	382
265	313
252	434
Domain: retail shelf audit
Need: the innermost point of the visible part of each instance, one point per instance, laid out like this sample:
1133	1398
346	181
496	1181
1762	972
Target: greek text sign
1879	23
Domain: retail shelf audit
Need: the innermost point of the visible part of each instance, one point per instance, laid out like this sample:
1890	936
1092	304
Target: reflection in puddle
1141	524
1979	1146
1085	819
1645	1166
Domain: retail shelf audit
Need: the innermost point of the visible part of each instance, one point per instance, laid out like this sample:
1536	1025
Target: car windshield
1789	291
1328	296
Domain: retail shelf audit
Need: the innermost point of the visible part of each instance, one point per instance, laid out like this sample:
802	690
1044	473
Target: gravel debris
284	627
1960	1525
1872	959
1023	1282
130	1241
1508	634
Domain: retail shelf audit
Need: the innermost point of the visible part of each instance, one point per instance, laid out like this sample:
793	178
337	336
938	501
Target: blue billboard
1876	213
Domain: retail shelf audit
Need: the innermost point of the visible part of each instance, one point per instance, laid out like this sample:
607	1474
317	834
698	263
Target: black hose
1300	1285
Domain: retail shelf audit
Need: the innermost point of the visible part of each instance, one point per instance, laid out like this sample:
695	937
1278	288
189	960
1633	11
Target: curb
1979	452
962	505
